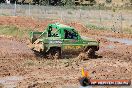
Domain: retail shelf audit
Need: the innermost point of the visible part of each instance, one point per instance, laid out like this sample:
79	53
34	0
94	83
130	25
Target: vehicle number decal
72	47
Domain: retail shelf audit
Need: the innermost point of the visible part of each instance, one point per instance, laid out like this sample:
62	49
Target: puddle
10	81
111	47
125	41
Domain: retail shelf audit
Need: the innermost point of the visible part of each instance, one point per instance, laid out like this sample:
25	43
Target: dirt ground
20	67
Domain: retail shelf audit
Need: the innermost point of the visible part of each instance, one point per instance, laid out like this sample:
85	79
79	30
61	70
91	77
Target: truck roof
60	26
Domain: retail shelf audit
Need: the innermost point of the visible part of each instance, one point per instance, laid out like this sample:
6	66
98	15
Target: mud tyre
54	53
91	53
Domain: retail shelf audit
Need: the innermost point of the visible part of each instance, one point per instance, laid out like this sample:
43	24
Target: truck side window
70	35
52	32
55	32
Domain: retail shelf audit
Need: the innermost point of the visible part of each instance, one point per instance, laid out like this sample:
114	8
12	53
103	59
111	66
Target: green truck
59	38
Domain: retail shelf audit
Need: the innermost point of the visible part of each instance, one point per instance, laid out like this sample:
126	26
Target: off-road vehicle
59	38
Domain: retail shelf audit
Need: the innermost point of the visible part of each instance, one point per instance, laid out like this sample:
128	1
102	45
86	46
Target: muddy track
14	49
16	59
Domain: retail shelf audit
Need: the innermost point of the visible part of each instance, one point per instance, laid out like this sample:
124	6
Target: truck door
71	43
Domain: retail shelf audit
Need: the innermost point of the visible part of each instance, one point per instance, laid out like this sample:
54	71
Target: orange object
85	73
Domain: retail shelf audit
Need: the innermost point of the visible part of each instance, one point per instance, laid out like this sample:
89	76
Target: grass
14	31
95	27
69	12
5	14
127	31
92	26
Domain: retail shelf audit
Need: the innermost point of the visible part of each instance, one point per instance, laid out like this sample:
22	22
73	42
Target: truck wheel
91	52
54	54
49	56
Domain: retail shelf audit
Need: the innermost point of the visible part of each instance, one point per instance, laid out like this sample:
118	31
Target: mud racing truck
59	38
